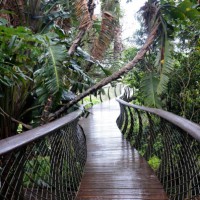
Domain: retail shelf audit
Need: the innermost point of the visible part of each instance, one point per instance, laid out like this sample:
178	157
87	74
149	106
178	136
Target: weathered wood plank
114	170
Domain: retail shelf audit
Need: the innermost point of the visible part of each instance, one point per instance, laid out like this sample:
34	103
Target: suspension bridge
148	154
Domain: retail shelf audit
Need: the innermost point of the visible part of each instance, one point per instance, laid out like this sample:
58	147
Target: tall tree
115	75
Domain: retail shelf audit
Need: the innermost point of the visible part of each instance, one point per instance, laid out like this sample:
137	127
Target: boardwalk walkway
113	170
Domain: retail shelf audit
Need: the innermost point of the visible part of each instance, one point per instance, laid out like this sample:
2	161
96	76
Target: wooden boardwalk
113	169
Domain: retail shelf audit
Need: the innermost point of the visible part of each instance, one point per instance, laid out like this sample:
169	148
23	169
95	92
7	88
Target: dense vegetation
53	50
168	77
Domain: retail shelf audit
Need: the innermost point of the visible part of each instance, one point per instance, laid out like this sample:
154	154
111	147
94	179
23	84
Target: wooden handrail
169	143
26	137
191	128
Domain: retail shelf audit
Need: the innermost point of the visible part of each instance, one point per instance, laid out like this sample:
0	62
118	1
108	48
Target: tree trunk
118	42
84	12
17	7
114	76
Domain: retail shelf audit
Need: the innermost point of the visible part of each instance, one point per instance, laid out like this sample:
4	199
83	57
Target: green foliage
188	9
164	69
179	20
18	57
36	170
184	86
129	54
94	99
35	66
155	82
39	65
154	163
49	77
149	86
16	49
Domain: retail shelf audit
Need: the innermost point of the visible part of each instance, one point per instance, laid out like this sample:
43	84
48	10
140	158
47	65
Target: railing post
139	136
91	99
125	121
120	118
115	88
109	93
100	97
150	138
130	133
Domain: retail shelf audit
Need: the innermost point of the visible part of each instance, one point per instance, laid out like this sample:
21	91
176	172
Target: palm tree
159	61
159	33
115	75
55	62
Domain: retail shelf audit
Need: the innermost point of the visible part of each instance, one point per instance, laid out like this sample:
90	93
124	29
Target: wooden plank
114	170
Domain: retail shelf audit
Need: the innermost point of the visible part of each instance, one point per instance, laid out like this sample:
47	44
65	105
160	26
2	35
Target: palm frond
165	67
102	43
82	13
149	85
149	13
49	77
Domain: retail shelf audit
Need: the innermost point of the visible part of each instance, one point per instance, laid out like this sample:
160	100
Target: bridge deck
113	169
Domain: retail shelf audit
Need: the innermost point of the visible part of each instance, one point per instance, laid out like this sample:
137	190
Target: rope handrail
190	127
169	143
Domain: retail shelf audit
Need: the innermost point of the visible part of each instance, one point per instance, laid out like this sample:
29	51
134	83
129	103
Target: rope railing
44	163
170	144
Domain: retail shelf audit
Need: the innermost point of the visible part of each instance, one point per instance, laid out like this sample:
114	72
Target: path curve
114	170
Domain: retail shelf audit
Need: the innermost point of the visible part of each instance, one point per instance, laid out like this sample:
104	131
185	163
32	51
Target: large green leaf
176	14
187	7
149	85
49	78
77	69
165	67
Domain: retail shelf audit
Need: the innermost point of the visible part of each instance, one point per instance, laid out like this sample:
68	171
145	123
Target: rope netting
172	152
47	162
49	167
